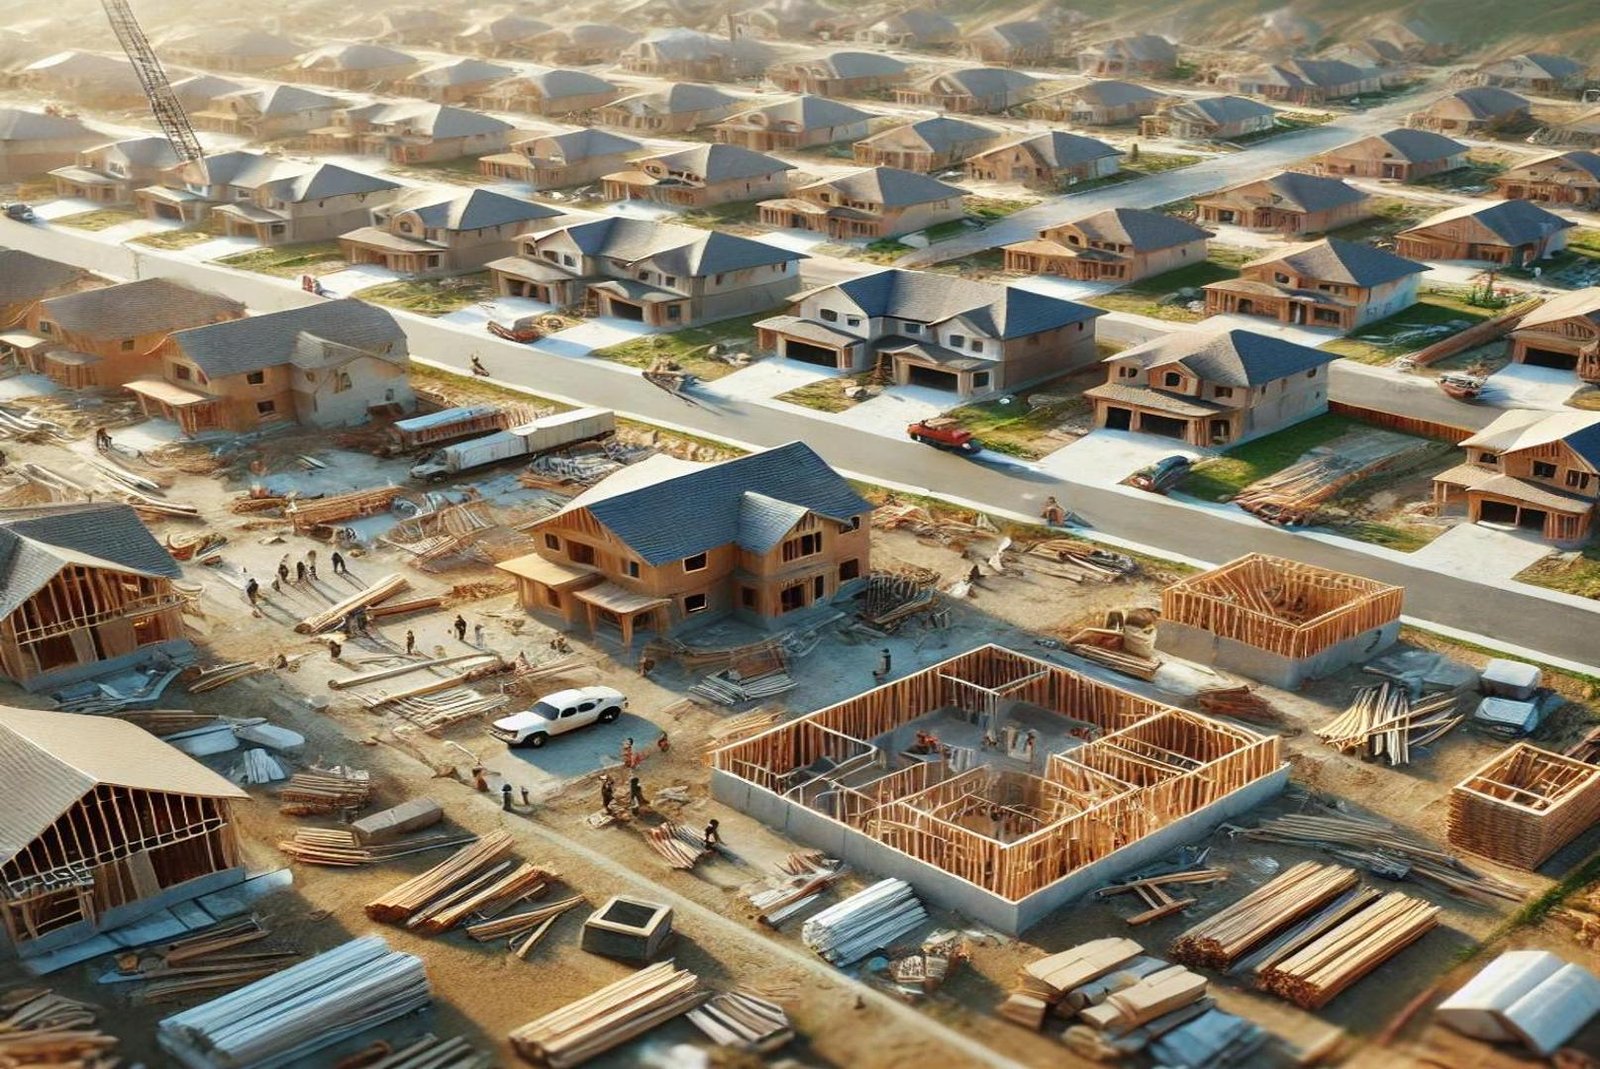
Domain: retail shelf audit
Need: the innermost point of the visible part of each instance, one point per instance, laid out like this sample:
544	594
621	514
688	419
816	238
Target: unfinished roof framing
1524	805
1006	832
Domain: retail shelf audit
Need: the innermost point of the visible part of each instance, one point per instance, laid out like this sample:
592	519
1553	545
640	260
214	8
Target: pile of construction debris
39	1027
1385	722
805	875
205	961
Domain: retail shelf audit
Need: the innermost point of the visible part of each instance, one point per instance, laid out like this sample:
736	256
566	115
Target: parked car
1163	475
559	713
19	211
943	433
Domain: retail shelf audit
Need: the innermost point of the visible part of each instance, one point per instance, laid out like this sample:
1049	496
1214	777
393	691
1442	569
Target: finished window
696	563
693	603
256	378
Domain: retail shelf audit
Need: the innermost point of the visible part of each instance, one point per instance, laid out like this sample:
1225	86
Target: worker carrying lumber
338	562
1053	513
252	590
636	797
461	628
608	792
713	836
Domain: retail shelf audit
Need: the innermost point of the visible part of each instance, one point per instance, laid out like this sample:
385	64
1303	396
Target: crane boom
164	103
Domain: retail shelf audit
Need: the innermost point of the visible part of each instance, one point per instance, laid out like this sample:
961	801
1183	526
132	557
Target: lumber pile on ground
284	1017
304	514
610	1017
218	675
479	876
1524	805
1292	496
1080	561
522	931
205	961
1238	703
431	1052
1320	968
1152	890
808	875
42	1028
1383	721
1226	935
325	790
761	672
1107	647
923	970
737	728
682	848
848	931
892	598
743	1021
339	847
335	615
433	713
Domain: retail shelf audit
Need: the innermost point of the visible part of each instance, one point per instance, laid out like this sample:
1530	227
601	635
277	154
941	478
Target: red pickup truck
944	434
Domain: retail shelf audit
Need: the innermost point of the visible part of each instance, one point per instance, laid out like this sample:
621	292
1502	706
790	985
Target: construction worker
713	836
477	635
411	642
252	590
662	745
505	797
283	571
311	563
886	662
1053	513
334	649
338	562
636	793
627	753
461	628
102	439
299	573
608	792
527	799
477	366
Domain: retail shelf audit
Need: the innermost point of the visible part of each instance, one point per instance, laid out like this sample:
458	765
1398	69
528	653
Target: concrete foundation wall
1193	644
953	893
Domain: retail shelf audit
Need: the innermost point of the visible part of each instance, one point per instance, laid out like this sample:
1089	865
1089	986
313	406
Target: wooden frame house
1539	471
1563	333
1523	805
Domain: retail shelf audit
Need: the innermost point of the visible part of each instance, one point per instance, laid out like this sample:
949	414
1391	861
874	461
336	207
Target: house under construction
104	823
84	588
1279	621
1524	805
997	784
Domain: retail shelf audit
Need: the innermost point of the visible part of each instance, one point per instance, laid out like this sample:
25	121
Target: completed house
556	161
692	56
929	145
1562	333
355	66
876	202
119	824
549	92
108	174
1514	233
1116	245
1219	118
671	543
1330	283
677	110
425	232
970	91
1012	44
700	177
841	74
238	49
324	365
104	337
1401	155
937	331
803	122
916	28
1305	81
1210	389
26	279
411	133
1143	55
86	588
658	274
1103	103
455	82
1535	72
508	35
1571	179
33	143
1046	161
1475	109
1287	202
269	113
1535	470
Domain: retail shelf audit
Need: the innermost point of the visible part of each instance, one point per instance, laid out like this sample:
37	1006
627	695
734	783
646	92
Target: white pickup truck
559	713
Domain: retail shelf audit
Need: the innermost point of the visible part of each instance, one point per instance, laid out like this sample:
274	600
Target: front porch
843	224
546	587
1289	306
608	606
74	370
192	411
90	185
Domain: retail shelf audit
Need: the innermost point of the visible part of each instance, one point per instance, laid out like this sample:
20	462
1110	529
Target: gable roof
1584	303
1147	47
1482	101
888	186
356	57
463	71
432	120
1524	428
984	81
19	124
38	541
683	250
26	277
849	64
148	306
940	134
1309	73
554	83
511	27
1021	33
582	144
329	180
1222	109
1111	93
682	97
198	90
1302	192
141	151
1229	357
1002	312
1579	159
471	210
284	99
270	339
668	511
722	163
1413	146
1059	149
1535	65
1515	222
245	169
809	112
1140	228
1337	260
52	760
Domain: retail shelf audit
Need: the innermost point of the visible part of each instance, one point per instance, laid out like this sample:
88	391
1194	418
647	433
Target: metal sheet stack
608	1018
739	1019
850	930
284	1017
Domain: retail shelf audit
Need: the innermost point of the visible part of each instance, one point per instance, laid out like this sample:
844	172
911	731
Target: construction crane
164	103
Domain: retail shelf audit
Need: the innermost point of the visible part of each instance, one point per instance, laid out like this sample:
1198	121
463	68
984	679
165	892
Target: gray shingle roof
17	124
1147	47
37	542
985	81
330	180
1337	260
249	169
241	41
858	64
1230	357
1415	146
577	145
286	99
1515	222
722	163
148	306
473	210
810	112
1002	312
142	151
1222	109
508	28
1144	230
683	250
1022	32
558	83
26	277
430	120
1315	73
1582	159
1111	93
889	186
257	342
682	97
744	501
940	134
356	57
1483	101
1535	65
1304	192
1521	429
1059	149
201	89
461	72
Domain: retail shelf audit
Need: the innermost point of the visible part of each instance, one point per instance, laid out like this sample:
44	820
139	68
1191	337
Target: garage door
1550	358
933	377
1118	419
1165	426
807	353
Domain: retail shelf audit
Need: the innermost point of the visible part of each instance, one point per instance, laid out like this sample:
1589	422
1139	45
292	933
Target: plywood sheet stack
1044	983
1524	805
608	1018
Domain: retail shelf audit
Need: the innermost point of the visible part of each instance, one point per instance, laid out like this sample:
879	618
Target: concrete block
630	929
392	823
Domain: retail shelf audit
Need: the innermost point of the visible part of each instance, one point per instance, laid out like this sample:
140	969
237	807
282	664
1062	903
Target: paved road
1557	628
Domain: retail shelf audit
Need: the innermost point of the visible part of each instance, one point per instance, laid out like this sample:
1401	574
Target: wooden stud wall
1524	805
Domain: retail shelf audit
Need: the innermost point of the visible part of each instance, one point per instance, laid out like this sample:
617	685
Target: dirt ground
482	992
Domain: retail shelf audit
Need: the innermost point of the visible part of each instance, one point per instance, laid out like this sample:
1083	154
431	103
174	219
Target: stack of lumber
742	1020
433	713
1313	970
729	688
1161	992
1586	749
797	892
325	790
1383	721
465	872
1388	851
339	847
202	962
682	848
1228	934
891	598
1524	805
1291	496
379	674
1049	979
522	931
283	1018
41	1028
430	1052
166	721
502	886
610	1017
335	615
1105	646
1238	703
318	512
218	675
738	728
1080	561
848	931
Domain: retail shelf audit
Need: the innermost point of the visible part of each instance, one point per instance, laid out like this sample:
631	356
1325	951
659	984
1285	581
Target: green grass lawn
882	251
99	219
988	208
824	395
1402	538
432	296
1144	297
290	261
1382	342
173	239
718	216
1572	573
1220	478
1088	184
457	171
688	347
1157	162
1019	429
1390	216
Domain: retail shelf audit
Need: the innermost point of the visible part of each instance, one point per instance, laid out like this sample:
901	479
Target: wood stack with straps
1383	721
610	1017
204	961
